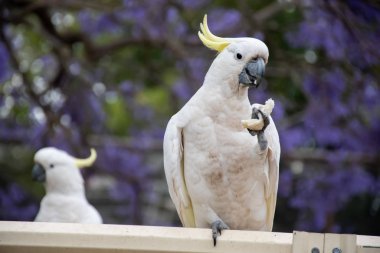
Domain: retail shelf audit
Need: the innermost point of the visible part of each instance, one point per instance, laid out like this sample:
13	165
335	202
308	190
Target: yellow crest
82	163
210	40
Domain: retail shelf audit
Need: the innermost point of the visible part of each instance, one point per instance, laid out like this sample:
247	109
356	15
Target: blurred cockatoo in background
219	174
65	199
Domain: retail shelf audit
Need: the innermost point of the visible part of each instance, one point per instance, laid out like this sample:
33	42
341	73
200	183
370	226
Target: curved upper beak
252	73
38	173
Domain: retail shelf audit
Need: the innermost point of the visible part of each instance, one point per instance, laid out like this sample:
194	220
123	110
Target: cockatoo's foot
256	115
263	142
217	227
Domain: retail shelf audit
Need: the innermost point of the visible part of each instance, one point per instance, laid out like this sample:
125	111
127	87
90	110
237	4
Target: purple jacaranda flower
285	183
16	204
219	19
85	109
175	22
182	90
194	4
5	69
321	193
293	138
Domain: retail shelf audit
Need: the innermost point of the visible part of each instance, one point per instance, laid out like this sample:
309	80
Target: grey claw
255	115
262	140
217	227
252	132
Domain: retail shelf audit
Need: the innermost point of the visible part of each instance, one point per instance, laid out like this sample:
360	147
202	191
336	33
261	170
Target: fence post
307	242
340	243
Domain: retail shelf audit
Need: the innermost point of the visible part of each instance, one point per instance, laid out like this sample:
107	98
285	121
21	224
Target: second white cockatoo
65	199
221	175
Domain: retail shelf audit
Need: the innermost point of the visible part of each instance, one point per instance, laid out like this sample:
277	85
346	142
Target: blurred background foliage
109	74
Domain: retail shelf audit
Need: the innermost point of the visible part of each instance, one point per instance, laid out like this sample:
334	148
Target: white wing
274	151
174	171
273	159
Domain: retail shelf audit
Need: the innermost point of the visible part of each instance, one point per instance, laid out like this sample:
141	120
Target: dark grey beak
252	73
38	173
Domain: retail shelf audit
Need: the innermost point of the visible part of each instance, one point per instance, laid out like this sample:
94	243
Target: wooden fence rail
36	237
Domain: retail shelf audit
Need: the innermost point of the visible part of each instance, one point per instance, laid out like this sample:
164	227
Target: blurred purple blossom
5	69
325	30
131	173
143	18
147	138
36	135
9	131
194	4
259	95
279	111
259	35
85	109
95	23
175	22
337	114
293	138
143	113
129	196
128	89
329	86
122	162
198	67
219	19
365	10
182	90
124	192
322	193
16	204
63	139
285	183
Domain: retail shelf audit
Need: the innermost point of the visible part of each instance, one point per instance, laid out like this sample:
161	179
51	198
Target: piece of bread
258	124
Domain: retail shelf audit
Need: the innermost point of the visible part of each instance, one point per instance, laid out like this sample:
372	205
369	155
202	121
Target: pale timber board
64	238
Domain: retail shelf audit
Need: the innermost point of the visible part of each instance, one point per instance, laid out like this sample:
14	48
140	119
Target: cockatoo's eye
51	166
239	56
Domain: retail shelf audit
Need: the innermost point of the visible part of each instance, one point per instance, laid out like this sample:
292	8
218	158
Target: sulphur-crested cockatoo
65	199
219	174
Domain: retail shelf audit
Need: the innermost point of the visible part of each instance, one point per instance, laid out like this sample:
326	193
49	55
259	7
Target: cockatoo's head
243	59
58	170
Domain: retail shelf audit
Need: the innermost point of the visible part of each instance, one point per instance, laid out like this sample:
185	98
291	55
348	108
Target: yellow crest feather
82	163
210	40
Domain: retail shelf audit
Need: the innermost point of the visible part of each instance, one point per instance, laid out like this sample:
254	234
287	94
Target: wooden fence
36	237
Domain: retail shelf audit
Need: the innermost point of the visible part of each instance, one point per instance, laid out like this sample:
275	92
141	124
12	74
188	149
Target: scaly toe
217	227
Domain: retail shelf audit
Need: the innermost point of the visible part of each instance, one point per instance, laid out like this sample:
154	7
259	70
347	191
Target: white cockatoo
65	199
219	174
